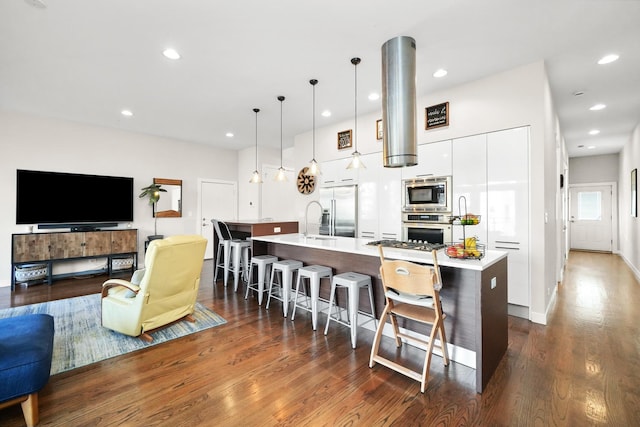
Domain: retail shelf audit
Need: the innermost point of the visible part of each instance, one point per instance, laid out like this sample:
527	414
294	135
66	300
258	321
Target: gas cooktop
415	245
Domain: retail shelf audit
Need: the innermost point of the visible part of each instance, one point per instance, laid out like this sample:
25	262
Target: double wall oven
426	209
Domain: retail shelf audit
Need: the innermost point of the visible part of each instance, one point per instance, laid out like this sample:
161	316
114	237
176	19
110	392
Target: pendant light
281	176
256	178
356	162
314	168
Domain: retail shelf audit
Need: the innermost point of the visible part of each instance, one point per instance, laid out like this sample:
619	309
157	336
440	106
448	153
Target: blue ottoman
26	347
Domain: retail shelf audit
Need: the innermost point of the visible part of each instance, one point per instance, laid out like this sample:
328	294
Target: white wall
28	142
514	98
629	226
590	169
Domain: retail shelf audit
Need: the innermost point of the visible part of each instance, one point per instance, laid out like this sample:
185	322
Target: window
589	206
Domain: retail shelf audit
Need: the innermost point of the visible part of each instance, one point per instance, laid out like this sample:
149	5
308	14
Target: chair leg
376	340
354	303
246	295
427	360
30	410
396	331
295	298
273	271
443	343
332	297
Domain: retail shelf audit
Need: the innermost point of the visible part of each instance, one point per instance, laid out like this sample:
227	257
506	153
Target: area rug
80	339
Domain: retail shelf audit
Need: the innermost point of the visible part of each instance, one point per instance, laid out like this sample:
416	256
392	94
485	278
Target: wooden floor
262	369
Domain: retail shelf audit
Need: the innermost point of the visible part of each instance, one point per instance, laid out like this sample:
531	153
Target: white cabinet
379	200
335	172
508	206
434	159
470	180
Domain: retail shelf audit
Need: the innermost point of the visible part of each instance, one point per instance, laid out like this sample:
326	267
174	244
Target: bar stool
286	268
264	263
235	254
353	282
315	273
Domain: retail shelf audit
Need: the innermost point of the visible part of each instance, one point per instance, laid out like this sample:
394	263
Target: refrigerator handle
333	217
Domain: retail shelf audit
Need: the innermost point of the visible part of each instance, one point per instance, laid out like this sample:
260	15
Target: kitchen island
474	293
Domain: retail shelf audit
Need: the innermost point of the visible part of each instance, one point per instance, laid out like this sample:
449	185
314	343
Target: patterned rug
80	340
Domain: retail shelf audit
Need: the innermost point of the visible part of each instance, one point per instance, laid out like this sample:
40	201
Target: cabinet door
67	245
97	243
470	180
31	247
434	159
368	197
508	205
390	203
124	241
335	172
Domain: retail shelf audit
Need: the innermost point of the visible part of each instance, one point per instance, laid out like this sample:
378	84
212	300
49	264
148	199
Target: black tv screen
69	198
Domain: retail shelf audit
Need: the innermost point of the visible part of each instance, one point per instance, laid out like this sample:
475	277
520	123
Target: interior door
590	217
218	199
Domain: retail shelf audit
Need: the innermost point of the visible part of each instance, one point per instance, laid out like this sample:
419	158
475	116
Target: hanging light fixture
281	176
256	178
356	162
314	168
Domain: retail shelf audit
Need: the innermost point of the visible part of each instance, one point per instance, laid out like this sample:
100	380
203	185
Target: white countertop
359	246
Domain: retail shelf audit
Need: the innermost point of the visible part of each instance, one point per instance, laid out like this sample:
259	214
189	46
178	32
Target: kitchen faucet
306	214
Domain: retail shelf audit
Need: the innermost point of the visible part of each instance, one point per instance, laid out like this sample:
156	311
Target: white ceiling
86	60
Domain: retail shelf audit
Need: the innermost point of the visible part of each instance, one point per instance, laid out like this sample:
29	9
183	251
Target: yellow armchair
163	292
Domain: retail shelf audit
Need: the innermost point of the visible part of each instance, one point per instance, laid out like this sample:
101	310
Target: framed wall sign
379	129
436	116
634	193
344	139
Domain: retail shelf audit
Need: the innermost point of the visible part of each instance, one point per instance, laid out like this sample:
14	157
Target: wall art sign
379	129
436	116
344	139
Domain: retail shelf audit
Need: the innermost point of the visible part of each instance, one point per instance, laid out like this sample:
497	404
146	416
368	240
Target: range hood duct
399	102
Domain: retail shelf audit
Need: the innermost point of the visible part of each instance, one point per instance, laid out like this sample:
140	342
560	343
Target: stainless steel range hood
399	102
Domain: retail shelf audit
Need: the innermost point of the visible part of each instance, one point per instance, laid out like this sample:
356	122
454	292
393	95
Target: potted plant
153	193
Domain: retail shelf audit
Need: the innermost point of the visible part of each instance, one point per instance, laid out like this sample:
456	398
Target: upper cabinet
434	159
335	172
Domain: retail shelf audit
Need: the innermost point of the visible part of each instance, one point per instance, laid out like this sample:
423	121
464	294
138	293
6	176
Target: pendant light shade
256	178
281	176
356	162
314	168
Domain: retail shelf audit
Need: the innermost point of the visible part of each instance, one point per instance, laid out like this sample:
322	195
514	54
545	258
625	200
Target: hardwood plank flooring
262	369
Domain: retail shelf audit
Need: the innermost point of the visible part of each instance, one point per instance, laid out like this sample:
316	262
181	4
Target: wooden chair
412	292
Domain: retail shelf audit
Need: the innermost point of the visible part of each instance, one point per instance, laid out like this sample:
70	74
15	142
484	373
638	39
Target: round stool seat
352	282
314	273
264	263
286	268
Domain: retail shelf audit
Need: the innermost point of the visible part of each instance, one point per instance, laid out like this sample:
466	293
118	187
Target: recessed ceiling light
607	59
598	107
594	132
440	73
126	113
171	54
591	147
374	96
229	134
326	113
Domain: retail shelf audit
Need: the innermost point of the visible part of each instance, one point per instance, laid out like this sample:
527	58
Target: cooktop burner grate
417	246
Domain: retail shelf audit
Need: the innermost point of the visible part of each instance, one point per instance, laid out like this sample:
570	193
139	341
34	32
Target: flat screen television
77	201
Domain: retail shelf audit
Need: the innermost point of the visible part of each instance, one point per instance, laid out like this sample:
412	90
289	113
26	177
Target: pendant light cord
313	82
256	110
281	99
355	62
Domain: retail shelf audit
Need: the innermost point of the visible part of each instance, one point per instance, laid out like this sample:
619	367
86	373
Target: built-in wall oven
426	227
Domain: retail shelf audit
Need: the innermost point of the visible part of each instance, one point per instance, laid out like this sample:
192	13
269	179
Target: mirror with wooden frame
170	203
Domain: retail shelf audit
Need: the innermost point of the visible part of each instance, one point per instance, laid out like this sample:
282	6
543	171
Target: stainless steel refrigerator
339	210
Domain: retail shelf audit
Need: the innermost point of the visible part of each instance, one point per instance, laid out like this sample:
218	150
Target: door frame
614	210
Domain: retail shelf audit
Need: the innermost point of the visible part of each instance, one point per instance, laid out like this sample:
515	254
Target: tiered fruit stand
469	248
